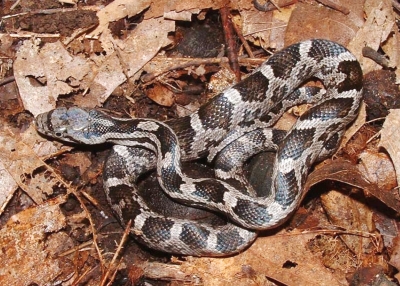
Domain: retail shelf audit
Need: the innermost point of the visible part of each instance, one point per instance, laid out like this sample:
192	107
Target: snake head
66	124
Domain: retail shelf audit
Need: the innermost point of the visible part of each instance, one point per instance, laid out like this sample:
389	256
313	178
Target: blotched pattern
235	123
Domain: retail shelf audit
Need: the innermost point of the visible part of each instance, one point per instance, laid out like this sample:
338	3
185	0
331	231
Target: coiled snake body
232	127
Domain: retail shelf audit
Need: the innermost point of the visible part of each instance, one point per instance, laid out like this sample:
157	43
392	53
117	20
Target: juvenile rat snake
232	124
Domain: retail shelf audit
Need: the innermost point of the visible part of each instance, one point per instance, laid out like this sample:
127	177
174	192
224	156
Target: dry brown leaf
379	23
161	8
395	256
127	57
52	66
263	29
355	126
117	10
279	23
20	161
109	76
7	186
256	26
378	169
345	172
391	47
352	215
317	21
144	43
41	74
390	138
25	258
281	257
161	95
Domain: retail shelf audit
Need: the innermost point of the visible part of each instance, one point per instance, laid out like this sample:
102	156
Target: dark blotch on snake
329	131
296	143
354	78
252	212
286	188
216	113
158	228
194	236
253	88
330	109
283	62
171	178
121	198
211	190
228	242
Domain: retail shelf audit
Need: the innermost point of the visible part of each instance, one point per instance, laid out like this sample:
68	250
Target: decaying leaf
41	74
318	21
376	30
281	257
116	10
161	95
43	71
345	172
24	258
390	138
351	214
20	162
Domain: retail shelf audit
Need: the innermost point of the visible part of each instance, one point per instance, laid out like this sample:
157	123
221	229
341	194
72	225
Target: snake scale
229	128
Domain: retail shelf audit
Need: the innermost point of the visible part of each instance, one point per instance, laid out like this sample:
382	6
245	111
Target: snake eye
59	133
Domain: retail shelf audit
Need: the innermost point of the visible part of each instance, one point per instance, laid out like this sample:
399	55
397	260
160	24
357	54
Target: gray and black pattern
231	127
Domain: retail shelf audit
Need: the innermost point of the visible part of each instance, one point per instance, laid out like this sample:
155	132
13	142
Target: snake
227	130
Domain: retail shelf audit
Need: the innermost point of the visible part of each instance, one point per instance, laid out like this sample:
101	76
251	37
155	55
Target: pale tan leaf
7	187
144	43
317	21
19	161
117	10
390	138
127	57
376	30
41	74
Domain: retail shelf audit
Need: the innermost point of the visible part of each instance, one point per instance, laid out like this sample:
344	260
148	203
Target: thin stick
116	254
185	62
243	40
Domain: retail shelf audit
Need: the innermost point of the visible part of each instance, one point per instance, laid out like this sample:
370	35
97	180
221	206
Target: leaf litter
347	225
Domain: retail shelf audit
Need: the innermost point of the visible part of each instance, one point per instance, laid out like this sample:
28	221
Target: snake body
230	127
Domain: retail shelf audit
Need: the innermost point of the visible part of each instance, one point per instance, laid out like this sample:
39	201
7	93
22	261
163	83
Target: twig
40	11
243	40
7	80
266	29
79	279
116	254
187	62
15	5
78	197
92	224
230	41
33	35
78	247
376	57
